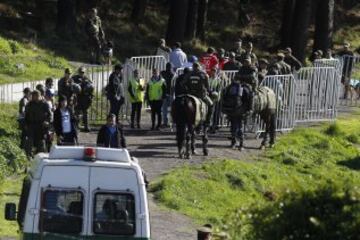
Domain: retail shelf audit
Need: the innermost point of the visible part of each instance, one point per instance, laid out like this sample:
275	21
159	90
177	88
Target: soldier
62	81
197	84
284	67
292	61
84	97
232	64
37	118
21	118
155	93
136	91
215	86
249	53
262	69
95	34
115	91
205	232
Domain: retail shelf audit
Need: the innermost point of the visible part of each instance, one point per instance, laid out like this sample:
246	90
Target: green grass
301	161
26	62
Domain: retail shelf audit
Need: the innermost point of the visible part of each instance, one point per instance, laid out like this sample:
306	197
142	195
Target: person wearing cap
284	67
111	134
197	84
21	118
238	50
249	53
136	93
223	58
177	57
65	123
232	64
84	97
291	60
163	50
209	60
115	90
96	36
168	76
348	63
37	118
205	232
155	93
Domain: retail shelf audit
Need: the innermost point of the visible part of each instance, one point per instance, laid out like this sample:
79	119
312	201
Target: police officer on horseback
197	84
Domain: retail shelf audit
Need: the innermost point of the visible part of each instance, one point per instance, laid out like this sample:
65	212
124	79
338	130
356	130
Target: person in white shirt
177	57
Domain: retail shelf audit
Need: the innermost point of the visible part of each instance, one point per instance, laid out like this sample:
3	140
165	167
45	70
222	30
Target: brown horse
183	114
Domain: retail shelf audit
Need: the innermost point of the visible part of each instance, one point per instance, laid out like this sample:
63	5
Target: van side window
114	214
62	211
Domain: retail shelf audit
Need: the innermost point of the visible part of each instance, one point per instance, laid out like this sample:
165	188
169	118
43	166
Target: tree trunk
191	19
300	31
66	17
138	11
324	25
177	21
287	22
202	16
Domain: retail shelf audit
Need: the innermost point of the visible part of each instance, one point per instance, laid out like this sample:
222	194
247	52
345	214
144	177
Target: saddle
264	98
201	109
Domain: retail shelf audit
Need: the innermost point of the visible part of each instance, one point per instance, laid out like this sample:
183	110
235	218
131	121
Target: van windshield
62	211
114	214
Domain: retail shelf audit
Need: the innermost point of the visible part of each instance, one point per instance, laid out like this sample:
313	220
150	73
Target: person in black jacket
65	123
115	91
111	134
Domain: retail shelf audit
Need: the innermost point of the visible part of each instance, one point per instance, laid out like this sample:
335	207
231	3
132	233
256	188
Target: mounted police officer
96	35
197	84
84	97
115	91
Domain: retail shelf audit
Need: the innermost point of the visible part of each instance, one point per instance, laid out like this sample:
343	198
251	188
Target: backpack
232	99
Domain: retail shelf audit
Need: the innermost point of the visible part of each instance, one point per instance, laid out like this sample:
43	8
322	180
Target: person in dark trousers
136	92
115	91
155	93
168	76
291	60
65	123
111	134
21	118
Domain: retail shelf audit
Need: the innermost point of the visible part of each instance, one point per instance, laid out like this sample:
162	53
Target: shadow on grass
353	164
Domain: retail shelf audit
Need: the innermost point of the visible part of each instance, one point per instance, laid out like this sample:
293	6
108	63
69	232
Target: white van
83	193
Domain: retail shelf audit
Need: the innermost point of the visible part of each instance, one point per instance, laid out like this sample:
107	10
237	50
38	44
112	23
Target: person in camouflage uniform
84	97
95	34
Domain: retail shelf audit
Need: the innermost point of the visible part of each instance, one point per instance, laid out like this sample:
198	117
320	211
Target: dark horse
184	113
264	102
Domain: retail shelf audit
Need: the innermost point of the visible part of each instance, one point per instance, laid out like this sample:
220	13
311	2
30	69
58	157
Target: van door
115	202
62	202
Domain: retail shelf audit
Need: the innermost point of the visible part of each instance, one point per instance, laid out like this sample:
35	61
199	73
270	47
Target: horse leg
192	138
267	127
233	130
180	137
272	129
240	133
205	141
188	136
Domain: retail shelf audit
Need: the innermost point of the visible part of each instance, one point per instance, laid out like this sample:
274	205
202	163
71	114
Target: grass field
302	161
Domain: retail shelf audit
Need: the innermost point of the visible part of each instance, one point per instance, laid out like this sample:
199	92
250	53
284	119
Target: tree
202	17
138	11
287	22
177	21
300	31
324	24
66	17
191	19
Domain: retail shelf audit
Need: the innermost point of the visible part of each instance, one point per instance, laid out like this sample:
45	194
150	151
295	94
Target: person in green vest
136	94
155	93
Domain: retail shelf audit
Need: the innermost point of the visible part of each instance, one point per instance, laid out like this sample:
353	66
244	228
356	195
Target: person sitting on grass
111	134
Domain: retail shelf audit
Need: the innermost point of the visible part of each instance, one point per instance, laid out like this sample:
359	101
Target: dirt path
157	155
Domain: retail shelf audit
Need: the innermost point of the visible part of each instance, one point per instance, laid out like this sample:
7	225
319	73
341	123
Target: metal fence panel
349	91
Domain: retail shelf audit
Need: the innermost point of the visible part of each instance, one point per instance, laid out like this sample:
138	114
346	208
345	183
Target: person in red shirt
209	60
223	59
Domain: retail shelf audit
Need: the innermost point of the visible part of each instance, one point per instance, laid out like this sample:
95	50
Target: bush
327	213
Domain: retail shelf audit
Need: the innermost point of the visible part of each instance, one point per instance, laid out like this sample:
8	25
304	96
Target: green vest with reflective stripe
156	90
137	91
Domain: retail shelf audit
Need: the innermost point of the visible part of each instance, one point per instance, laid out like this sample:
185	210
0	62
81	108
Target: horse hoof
241	149
271	145
194	152
262	147
206	152
188	156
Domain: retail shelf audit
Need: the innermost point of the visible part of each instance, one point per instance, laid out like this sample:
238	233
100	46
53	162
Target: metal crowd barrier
316	94
349	92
